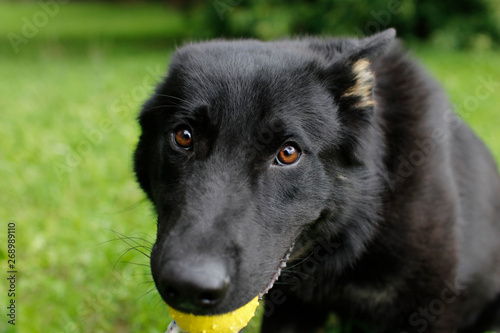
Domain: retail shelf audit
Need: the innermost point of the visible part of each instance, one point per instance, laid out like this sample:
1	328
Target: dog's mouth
277	273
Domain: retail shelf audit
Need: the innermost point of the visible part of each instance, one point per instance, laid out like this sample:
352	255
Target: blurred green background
74	75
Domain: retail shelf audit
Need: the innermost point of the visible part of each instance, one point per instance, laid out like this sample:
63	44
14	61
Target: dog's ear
349	74
351	81
372	47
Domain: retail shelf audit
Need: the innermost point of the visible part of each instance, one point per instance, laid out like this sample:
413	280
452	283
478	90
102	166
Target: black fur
393	205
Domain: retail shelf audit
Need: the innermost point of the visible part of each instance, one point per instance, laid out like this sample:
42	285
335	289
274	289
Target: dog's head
247	148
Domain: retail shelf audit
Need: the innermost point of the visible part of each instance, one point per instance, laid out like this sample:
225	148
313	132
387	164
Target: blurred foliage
447	24
471	24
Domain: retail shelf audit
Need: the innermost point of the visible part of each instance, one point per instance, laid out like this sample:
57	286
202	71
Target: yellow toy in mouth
231	322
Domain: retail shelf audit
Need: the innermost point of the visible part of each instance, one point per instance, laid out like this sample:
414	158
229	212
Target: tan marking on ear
364	84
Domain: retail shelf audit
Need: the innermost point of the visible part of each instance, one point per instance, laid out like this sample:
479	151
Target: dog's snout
194	287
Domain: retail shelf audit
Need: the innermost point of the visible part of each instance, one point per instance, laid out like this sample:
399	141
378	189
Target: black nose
193	287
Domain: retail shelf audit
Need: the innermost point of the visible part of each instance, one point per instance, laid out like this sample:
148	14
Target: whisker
132	206
148	246
171	96
181	103
137	248
148	293
162	106
148	285
147	273
299	263
135	244
278	261
160	300
134	263
130	241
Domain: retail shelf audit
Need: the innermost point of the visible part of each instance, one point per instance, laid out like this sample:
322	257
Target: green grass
463	76
68	103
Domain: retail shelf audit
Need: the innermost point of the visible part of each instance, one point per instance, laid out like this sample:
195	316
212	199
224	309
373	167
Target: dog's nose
193	288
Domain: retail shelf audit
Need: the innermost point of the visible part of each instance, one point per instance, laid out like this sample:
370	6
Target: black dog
345	151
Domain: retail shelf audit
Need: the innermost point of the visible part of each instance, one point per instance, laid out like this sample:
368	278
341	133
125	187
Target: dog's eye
288	154
183	138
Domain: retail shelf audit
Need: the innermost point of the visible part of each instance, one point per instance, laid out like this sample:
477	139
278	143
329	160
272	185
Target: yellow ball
231	322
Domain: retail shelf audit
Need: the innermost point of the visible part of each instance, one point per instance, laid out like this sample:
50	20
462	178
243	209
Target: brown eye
288	154
184	138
